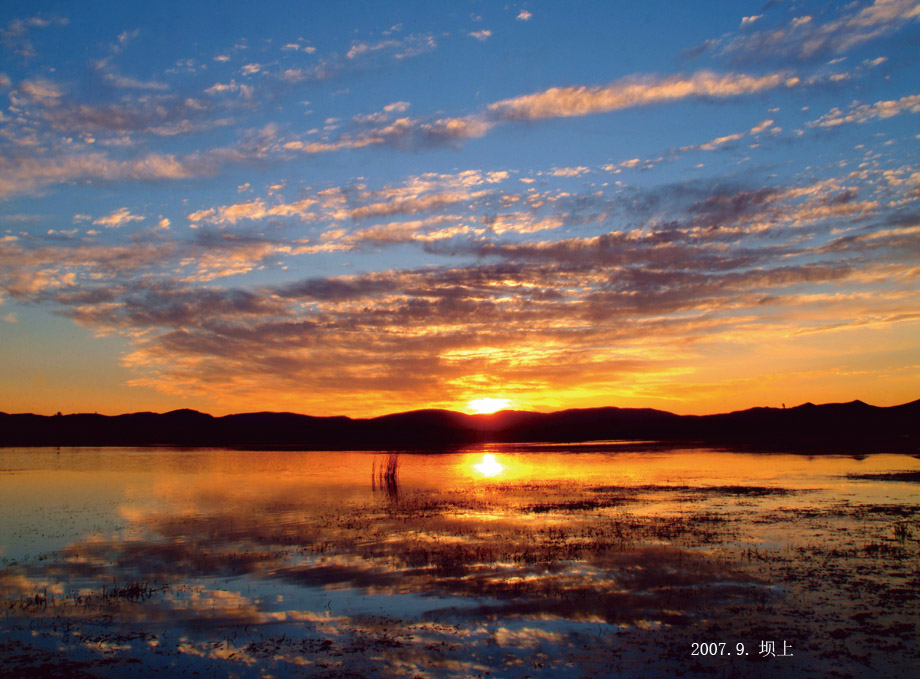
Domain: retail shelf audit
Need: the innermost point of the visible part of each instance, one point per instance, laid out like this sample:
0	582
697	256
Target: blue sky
370	207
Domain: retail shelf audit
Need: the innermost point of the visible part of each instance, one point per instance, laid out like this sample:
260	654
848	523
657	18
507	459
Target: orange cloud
579	101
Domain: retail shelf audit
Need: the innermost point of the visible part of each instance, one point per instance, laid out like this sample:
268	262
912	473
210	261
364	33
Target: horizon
463	412
363	210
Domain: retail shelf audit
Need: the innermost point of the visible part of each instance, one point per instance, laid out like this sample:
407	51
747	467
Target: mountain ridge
828	427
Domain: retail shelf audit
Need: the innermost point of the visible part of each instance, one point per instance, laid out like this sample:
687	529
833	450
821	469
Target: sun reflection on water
489	465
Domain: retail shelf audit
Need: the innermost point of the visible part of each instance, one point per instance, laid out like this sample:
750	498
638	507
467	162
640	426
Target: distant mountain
833	427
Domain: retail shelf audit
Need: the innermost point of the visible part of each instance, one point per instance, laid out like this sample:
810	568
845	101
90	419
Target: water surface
516	561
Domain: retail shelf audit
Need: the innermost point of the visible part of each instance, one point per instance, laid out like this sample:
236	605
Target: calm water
515	561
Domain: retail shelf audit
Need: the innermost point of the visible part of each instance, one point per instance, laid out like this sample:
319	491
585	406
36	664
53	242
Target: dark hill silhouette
828	428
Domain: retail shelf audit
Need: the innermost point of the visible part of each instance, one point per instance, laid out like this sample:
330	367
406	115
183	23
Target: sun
487	405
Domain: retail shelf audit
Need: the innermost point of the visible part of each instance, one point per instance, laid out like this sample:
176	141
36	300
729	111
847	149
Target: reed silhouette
385	475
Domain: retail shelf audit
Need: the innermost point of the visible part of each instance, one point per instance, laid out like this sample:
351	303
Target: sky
361	208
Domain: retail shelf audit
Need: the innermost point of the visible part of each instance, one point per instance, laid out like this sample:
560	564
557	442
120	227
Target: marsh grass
385	475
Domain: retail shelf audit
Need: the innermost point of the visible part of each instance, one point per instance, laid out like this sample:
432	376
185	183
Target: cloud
234	256
15	36
407	133
33	274
804	38
760	127
245	91
579	101
570	171
87	278
410	46
42	92
104	68
360	56
231	213
48	107
118	219
148	305
719	142
439	227
680	263
453	129
863	113
27	174
430	192
524	15
521	223
414	204
482	35
563	281
256	209
117	80
359	48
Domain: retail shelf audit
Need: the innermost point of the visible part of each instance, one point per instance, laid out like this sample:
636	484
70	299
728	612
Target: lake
596	560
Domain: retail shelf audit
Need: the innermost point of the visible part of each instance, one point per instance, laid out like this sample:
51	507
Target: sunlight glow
487	405
489	465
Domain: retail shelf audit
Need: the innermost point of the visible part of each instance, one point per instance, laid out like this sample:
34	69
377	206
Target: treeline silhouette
835	427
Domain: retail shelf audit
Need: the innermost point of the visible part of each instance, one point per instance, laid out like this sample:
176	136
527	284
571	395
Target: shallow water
526	560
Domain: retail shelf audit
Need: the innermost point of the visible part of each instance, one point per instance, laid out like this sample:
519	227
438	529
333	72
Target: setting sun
487	405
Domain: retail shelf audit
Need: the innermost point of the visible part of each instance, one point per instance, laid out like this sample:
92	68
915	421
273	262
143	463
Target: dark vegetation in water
385	475
828	428
904	477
